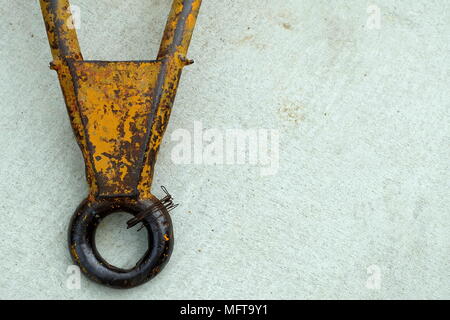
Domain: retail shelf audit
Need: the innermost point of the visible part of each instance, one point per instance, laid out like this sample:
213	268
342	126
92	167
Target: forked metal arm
119	111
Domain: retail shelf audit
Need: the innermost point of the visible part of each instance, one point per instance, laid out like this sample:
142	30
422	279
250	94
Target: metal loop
84	253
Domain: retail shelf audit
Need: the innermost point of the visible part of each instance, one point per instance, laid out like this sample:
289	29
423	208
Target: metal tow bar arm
119	112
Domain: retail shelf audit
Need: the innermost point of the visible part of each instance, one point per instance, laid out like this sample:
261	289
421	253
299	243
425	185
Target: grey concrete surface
359	207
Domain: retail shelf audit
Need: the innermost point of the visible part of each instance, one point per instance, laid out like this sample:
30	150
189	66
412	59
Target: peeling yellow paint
111	103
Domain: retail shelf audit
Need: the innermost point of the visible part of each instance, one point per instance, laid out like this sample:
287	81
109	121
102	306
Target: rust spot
292	112
287	26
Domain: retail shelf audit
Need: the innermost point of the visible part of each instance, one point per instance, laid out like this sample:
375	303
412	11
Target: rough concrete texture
362	190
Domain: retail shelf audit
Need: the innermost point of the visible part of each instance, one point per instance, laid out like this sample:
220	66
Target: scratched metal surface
363	175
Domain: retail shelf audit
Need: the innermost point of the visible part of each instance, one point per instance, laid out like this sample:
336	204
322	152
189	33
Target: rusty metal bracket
119	111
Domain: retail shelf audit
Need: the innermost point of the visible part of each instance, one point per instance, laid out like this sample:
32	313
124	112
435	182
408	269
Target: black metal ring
84	253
